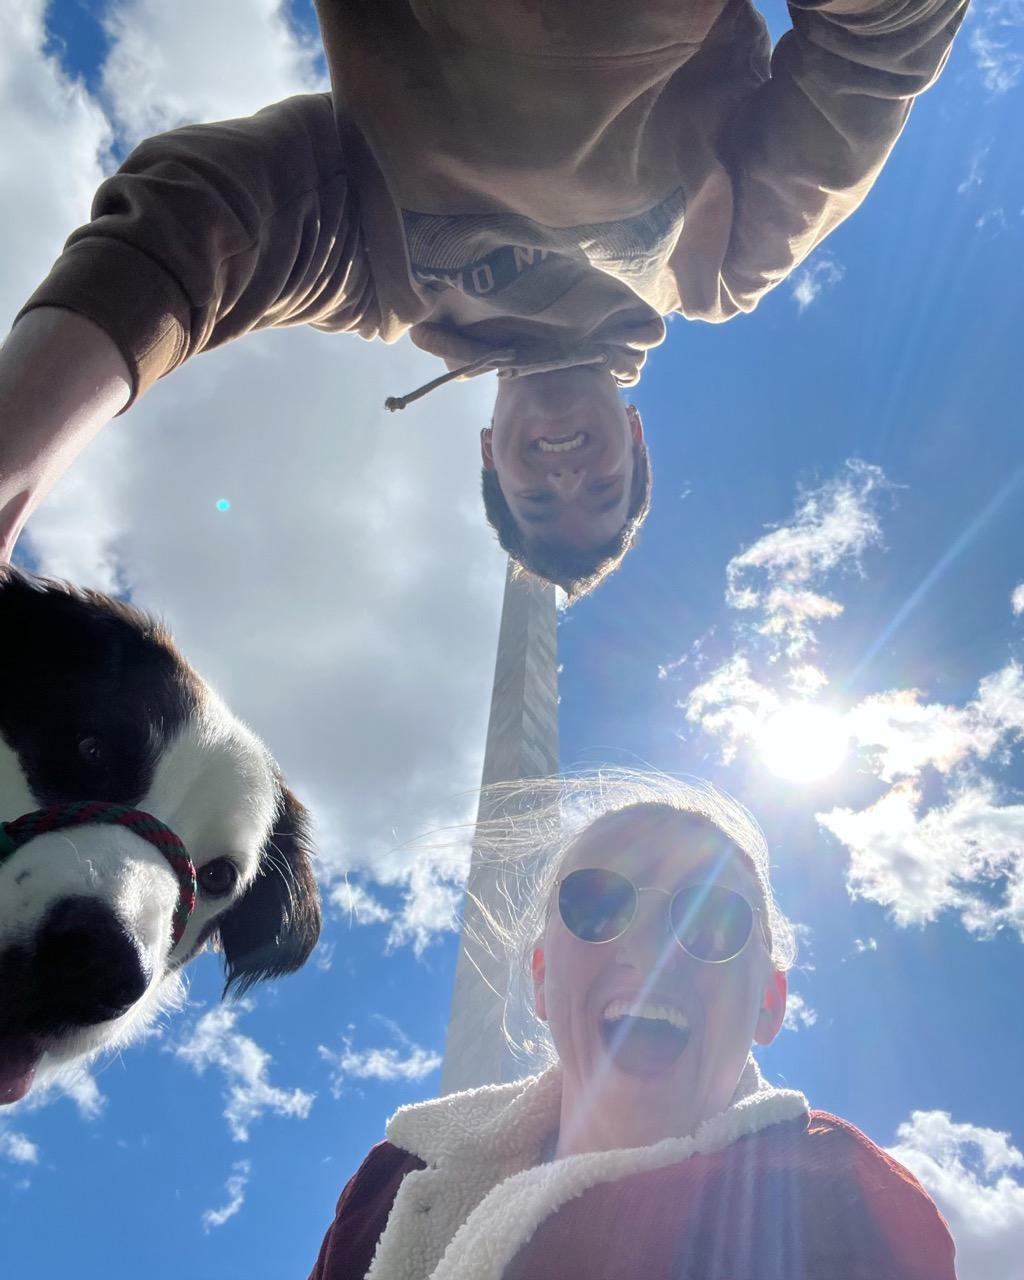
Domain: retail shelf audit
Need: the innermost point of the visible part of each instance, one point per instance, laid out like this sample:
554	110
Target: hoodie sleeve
803	150
210	231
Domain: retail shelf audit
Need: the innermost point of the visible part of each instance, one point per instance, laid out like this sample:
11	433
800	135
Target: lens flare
223	504
804	742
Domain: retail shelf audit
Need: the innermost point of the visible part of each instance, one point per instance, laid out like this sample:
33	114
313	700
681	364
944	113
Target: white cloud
999	63
974	1176
860	945
807	284
347	605
55	143
234	1189
778	576
966	855
975	174
731	705
353	901
902	734
17	1148
776	585
76	1083
798	1013
961	851
214	1041
1017	599
408	1062
995	42
167	67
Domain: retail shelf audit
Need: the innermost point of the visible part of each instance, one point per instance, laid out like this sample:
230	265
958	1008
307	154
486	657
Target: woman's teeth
562	444
652	1012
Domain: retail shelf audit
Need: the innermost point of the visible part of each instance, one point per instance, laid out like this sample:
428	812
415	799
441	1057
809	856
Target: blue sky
845	465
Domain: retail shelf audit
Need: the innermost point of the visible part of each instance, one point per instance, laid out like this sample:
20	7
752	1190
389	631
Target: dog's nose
88	968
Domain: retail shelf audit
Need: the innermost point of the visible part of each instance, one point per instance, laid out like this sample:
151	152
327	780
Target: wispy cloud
358	905
995	41
798	1013
16	1147
76	1083
975	175
214	1041
998	61
974	1176
234	1189
807	284
781	575
409	1061
1017	599
780	588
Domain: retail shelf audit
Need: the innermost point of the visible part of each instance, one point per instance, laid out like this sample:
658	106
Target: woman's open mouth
644	1039
562	444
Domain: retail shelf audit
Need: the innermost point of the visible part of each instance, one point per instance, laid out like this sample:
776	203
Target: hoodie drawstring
505	363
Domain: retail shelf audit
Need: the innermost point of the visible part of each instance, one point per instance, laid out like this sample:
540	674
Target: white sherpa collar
484	1194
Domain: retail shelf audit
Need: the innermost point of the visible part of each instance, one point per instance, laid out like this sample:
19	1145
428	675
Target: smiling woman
651	1146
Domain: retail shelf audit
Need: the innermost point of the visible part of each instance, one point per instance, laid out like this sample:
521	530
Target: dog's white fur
214	786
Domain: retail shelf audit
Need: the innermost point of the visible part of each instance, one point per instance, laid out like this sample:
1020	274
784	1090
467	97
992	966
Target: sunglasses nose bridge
660	916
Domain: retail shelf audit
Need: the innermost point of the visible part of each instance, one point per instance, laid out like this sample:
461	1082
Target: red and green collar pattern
97	812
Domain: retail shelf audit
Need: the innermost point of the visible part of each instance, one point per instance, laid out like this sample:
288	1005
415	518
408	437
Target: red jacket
807	1199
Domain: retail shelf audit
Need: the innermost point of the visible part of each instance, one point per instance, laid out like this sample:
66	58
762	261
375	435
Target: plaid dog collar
97	812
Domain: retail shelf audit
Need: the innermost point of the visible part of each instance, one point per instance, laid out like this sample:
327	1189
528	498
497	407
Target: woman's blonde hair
522	836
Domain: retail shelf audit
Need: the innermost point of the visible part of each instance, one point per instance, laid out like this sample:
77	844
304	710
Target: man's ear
273	927
773	1009
537	970
486	452
636	427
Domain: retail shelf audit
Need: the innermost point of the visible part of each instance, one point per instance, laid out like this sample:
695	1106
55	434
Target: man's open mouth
644	1038
562	444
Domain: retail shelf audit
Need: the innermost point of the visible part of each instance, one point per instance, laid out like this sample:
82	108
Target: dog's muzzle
96	812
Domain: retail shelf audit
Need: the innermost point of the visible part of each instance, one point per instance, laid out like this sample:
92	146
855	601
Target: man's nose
566	480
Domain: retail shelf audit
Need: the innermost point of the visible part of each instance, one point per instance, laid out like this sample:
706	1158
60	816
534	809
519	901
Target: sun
804	742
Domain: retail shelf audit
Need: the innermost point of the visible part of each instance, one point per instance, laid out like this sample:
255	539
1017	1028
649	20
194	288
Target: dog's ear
273	927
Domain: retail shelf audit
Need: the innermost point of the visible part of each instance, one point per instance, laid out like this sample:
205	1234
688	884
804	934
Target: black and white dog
97	917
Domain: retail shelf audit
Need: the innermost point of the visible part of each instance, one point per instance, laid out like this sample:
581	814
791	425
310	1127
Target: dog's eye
218	877
90	749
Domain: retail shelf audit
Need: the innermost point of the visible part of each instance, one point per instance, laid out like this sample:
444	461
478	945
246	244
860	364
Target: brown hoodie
539	179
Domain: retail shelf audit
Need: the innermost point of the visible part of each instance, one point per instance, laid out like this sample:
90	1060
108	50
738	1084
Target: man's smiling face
561	444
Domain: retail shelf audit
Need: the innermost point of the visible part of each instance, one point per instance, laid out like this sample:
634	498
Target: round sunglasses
710	922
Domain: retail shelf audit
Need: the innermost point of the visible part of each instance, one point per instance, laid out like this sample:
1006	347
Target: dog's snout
88	968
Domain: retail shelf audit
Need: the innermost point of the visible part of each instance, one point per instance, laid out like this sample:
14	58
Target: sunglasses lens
711	923
596	905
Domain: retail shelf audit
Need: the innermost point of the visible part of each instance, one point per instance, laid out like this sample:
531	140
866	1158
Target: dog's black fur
92	692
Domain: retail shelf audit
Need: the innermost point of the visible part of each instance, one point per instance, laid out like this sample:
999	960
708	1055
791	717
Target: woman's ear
486	450
773	1008
537	969
636	426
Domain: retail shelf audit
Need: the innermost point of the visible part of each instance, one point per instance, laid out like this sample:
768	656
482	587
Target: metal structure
522	742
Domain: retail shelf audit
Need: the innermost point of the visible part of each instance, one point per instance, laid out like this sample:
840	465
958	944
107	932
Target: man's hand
61	380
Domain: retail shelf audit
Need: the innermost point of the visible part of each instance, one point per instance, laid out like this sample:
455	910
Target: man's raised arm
804	148
204	234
